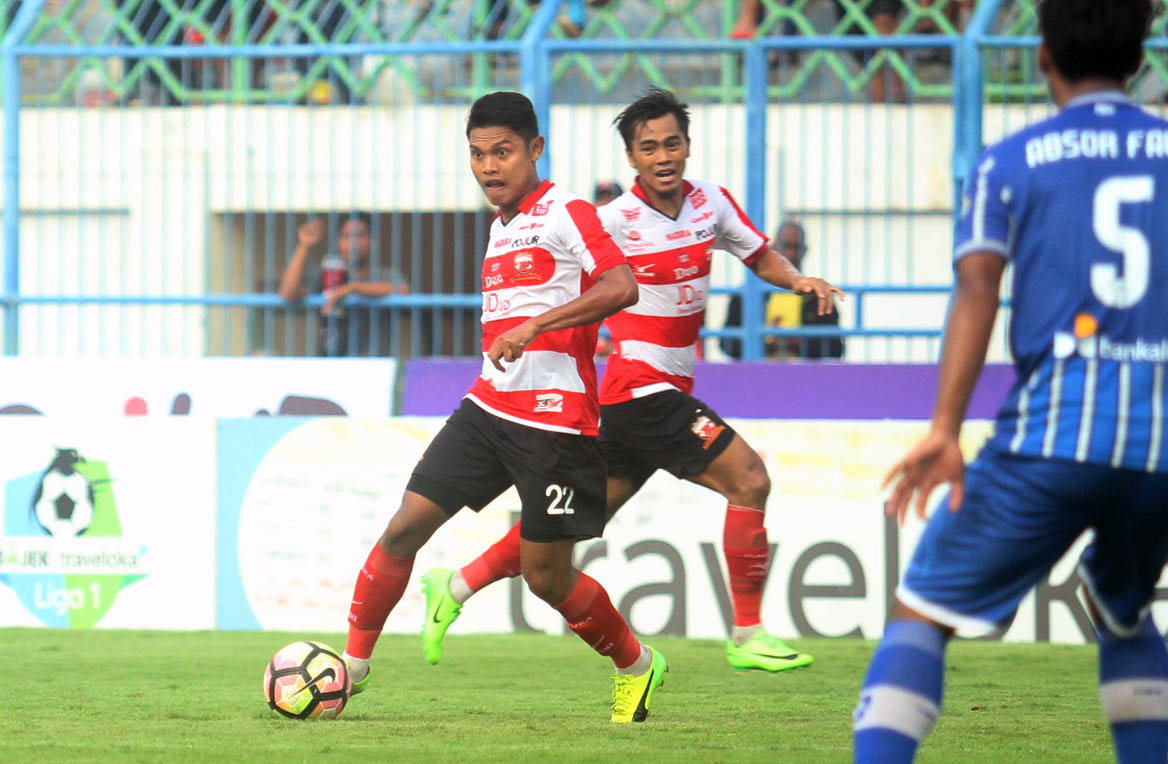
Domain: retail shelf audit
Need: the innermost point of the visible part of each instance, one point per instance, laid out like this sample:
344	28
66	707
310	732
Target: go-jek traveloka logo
62	551
1085	340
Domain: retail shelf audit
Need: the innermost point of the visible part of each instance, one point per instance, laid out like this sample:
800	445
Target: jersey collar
530	200
1098	96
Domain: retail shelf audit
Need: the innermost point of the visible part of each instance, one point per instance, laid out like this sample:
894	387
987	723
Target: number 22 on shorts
561	503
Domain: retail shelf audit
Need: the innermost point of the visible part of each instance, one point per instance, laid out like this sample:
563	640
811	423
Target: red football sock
744	540
501	560
379	586
589	613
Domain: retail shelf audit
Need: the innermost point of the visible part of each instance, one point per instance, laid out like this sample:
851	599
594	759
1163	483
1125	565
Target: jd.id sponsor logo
63	553
1085	340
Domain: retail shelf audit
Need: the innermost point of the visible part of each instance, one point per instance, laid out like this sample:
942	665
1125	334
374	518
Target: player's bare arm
615	289
775	269
937	458
292	284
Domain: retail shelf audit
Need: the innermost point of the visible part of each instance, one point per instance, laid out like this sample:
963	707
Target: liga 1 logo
63	552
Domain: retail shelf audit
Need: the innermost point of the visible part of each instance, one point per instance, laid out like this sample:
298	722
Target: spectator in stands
336	24
605	191
355	273
788	310
151	19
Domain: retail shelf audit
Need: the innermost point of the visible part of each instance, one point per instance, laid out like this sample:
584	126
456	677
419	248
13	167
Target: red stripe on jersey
742	215
577	341
667	331
672	265
750	261
604	251
555	408
519	268
622	376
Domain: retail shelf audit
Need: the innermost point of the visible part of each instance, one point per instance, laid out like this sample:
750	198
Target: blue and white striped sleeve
984	222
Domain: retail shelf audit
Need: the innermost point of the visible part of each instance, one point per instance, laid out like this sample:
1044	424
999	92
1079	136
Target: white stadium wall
262	523
135	201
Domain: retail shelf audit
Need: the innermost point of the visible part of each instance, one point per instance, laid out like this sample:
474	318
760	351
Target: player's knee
550	584
402	538
752	486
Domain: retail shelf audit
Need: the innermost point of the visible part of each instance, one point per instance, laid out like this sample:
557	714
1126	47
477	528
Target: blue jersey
1078	204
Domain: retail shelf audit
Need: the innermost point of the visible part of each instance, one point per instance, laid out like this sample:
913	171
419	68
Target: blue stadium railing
534	52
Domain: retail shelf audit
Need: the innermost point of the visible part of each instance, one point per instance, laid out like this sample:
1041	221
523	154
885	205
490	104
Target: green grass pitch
106	696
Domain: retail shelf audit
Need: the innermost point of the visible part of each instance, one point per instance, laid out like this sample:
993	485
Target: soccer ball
64	500
307	680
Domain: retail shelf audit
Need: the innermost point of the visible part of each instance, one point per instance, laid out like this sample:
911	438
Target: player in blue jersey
1078	204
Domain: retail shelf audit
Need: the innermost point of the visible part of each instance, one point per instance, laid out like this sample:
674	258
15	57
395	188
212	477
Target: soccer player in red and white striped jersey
668	227
551	273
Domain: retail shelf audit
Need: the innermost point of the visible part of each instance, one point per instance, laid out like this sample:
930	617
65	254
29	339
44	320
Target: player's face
504	165
658	154
354	239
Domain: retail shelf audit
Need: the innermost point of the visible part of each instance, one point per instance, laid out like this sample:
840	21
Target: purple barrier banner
765	390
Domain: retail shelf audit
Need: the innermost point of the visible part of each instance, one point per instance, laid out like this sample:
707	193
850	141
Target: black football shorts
476	456
669	430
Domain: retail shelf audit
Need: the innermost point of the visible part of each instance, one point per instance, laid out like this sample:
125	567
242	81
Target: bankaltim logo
63	551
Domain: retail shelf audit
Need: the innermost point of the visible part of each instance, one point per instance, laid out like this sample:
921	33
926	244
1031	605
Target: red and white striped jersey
654	340
547	255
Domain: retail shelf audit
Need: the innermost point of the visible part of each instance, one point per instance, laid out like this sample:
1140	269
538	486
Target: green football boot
632	695
441	611
765	653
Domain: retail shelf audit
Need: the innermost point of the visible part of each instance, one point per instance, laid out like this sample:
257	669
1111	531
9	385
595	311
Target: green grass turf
108	696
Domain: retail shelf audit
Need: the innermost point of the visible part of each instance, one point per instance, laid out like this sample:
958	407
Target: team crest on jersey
632	215
549	403
524	267
697	198
707	430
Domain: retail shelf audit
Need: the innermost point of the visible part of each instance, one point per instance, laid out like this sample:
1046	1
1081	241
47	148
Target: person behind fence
1075	205
202	24
345	271
550	272
788	310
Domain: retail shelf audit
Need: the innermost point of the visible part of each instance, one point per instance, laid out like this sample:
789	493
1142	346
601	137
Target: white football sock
643	663
358	667
740	635
459	591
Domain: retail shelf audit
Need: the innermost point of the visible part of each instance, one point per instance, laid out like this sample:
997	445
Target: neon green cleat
359	687
632	695
441	611
765	653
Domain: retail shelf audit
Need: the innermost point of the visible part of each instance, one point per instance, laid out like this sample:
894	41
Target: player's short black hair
1095	38
656	103
504	109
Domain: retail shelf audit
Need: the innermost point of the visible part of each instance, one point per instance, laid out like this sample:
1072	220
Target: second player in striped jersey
668	227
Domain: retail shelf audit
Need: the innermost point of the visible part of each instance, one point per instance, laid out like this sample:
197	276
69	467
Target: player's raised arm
614	289
937	458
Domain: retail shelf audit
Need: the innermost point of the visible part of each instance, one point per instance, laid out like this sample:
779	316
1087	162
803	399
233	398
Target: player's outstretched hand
935	460
822	289
509	345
